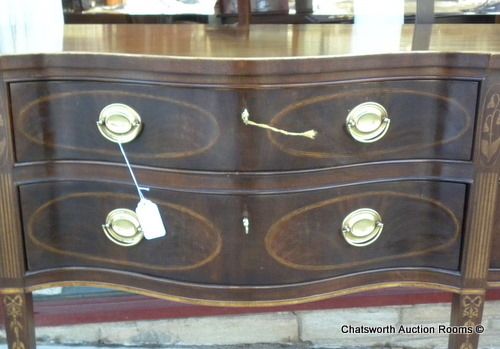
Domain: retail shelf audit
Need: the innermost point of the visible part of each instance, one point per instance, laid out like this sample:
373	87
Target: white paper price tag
150	219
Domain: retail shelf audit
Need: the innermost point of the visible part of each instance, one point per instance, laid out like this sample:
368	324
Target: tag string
141	196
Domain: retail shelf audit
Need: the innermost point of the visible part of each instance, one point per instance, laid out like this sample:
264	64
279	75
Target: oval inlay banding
310	238
172	128
419	120
71	226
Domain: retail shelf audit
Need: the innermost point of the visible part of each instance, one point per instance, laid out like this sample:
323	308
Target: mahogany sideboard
289	164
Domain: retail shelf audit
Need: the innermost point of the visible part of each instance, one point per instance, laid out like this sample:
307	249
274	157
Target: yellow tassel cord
245	116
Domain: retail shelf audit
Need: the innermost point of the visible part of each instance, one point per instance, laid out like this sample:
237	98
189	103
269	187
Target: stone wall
303	329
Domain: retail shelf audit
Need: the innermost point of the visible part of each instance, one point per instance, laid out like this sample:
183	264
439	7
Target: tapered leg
18	309
466	313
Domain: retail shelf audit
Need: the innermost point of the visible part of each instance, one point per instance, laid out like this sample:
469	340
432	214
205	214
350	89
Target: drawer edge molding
183	68
246	182
243	296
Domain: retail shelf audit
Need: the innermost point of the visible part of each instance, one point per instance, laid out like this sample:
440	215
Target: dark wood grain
206	242
245	72
181	124
276	182
251	296
200	128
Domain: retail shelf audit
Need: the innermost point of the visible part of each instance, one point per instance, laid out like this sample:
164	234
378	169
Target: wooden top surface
254	42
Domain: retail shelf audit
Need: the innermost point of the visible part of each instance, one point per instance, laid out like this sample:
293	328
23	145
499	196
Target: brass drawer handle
362	227
245	117
368	122
122	227
119	123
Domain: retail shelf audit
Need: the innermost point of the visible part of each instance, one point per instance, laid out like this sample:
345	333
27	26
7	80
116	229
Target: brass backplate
362	227
122	227
119	123
368	122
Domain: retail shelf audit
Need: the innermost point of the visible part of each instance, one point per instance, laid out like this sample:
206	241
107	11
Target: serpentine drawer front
202	129
289	238
287	167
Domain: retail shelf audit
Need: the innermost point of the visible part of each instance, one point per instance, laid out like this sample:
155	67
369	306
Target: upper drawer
201	128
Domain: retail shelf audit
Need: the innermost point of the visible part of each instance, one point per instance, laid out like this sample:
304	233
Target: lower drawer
291	237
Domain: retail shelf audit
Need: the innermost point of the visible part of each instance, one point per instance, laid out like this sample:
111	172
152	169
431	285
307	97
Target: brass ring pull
122	227
119	123
368	122
362	227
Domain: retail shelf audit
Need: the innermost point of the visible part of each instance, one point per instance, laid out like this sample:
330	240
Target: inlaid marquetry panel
18	311
14	309
490	136
485	194
490	149
467	313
